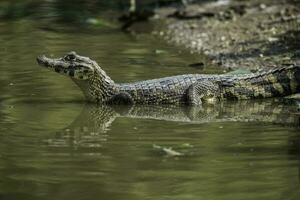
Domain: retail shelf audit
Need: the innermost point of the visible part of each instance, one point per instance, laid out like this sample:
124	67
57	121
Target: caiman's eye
71	56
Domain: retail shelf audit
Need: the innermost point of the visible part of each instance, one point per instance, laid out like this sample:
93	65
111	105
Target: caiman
192	89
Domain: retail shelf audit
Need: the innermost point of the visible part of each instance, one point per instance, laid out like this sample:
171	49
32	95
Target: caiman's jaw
72	65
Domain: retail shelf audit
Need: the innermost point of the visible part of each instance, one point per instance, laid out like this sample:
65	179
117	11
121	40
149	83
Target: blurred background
55	146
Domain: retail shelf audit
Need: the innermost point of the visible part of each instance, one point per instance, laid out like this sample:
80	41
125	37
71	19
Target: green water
54	146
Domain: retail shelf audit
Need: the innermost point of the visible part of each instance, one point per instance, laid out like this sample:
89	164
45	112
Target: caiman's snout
42	60
39	59
52	63
72	65
48	62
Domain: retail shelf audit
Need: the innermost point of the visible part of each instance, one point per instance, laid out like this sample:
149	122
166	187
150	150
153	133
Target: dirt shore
236	34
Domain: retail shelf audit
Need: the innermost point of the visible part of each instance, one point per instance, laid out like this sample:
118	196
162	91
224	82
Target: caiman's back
277	82
166	90
274	83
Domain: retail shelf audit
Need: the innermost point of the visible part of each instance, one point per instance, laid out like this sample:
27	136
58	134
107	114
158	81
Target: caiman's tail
277	82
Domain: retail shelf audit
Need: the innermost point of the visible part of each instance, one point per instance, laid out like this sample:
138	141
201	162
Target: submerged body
182	89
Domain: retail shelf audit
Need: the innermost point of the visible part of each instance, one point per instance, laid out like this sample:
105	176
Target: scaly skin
182	89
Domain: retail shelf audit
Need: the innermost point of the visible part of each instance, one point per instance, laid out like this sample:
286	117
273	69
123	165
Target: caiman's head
72	65
85	72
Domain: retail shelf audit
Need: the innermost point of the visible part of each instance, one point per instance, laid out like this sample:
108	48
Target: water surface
55	146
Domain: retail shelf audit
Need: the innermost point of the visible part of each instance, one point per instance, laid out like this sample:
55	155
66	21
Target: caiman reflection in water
91	126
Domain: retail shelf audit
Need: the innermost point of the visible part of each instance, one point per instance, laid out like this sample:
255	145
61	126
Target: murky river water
54	146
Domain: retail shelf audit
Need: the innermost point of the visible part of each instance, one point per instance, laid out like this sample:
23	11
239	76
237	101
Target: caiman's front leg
202	91
121	98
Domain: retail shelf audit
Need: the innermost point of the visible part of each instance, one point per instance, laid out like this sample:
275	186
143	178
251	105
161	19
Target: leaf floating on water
92	21
186	145
171	152
159	51
98	22
168	151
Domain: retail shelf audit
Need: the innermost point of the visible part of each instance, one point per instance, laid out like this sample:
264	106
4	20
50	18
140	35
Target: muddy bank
244	34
